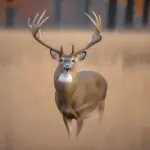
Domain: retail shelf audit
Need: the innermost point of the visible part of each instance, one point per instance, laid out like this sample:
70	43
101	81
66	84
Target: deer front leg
79	122
68	126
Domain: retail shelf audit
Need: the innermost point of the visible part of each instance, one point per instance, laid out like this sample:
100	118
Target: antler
35	28
96	37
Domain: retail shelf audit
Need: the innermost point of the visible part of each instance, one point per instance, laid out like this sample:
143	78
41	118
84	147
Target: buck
77	94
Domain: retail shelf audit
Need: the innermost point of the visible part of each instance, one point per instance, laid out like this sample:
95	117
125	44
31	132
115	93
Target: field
29	119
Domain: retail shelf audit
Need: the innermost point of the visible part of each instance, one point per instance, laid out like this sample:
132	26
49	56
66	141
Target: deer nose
67	67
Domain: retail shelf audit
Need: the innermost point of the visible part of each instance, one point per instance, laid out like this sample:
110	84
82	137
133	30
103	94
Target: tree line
129	13
111	12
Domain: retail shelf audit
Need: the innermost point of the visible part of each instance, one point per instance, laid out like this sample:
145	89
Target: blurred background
29	118
70	13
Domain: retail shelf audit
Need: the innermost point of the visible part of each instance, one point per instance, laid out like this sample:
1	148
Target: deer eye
61	60
73	60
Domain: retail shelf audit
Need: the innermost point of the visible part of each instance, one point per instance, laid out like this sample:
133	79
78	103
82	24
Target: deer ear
80	56
54	54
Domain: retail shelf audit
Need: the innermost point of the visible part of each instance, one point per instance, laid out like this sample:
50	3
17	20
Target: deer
77	94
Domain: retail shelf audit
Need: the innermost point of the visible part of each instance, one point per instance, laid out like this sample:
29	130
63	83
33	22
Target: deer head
66	62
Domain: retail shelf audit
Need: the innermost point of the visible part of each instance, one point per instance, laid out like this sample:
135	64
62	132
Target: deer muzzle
67	67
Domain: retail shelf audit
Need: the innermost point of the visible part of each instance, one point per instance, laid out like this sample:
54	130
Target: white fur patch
65	77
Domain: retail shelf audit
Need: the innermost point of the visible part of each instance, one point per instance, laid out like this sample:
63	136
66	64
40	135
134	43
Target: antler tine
72	52
96	37
40	34
42	15
35	28
98	20
37	14
29	22
61	50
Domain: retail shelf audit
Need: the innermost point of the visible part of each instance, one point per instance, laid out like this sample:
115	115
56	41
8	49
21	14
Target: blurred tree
2	14
129	13
146	11
57	12
138	5
112	10
10	12
7	4
26	9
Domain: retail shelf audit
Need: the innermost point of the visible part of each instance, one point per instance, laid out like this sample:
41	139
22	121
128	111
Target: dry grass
29	119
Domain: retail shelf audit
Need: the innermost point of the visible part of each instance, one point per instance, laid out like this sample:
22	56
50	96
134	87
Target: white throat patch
65	77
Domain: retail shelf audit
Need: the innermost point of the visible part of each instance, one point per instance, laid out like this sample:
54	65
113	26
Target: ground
29	118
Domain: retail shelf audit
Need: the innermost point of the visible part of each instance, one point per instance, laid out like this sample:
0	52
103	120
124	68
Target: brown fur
78	99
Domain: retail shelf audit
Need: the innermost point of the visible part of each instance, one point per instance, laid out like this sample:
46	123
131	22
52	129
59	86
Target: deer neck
65	83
